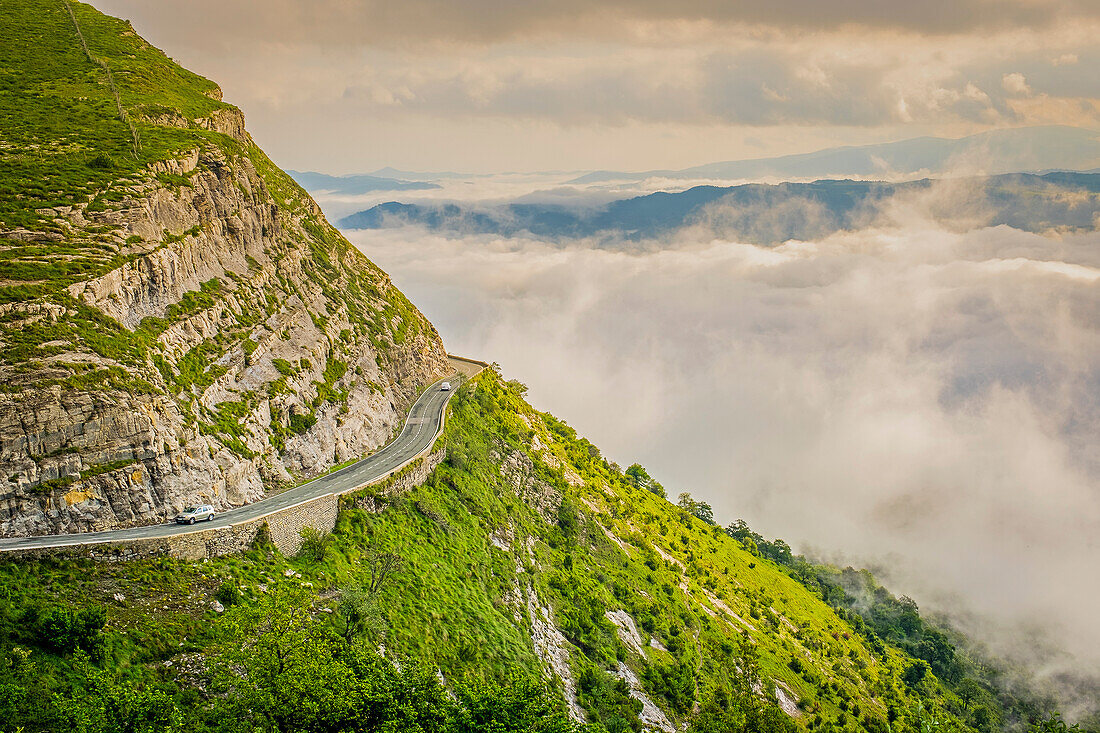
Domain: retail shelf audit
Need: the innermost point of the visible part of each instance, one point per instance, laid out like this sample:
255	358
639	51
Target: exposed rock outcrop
240	343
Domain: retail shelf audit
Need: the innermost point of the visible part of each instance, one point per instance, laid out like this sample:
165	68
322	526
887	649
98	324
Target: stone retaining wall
413	475
284	525
375	498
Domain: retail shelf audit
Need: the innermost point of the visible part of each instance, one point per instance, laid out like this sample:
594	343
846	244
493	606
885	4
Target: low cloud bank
764	214
910	397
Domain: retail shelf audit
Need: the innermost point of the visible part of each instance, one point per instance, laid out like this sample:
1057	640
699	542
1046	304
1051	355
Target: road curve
424	423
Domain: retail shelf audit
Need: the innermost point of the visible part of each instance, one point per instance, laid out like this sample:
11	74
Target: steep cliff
178	322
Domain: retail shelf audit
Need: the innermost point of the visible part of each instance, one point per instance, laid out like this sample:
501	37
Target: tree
640	478
750	540
66	630
936	649
704	512
981	717
1052	724
909	619
968	690
23	690
698	509
777	550
358	603
382	566
915	673
275	666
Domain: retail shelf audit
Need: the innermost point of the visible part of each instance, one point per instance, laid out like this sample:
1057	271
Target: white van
445	387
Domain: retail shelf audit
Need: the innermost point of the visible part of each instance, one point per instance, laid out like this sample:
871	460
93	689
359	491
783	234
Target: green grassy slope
63	142
686	583
520	503
63	139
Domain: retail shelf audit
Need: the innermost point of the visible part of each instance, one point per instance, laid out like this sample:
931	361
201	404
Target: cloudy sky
492	85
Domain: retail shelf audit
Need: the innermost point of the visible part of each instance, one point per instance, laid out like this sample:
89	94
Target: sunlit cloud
1015	83
481	22
449	85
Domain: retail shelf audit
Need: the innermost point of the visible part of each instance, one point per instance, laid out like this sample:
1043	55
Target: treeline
984	702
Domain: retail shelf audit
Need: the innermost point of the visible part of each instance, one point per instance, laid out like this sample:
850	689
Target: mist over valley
897	376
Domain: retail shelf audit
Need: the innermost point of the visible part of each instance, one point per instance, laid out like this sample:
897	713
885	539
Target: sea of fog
920	401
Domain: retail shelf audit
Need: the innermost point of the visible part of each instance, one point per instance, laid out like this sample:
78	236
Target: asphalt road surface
421	427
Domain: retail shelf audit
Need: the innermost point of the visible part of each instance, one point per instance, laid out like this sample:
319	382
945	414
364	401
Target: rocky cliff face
239	343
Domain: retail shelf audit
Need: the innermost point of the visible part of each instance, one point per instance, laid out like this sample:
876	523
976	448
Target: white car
193	514
445	387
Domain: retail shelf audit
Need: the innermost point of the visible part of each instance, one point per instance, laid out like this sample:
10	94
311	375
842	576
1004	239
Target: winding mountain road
424	423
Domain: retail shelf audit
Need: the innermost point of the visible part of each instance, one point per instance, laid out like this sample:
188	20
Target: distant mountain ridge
355	184
1028	149
765	214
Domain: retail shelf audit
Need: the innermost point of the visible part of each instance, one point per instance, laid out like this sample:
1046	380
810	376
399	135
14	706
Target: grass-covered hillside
164	284
65	141
525	556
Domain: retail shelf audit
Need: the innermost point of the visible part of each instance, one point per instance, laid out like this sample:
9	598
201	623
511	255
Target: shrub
300	424
65	630
228	594
568	521
674	682
314	544
456	459
102	162
607	699
284	367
